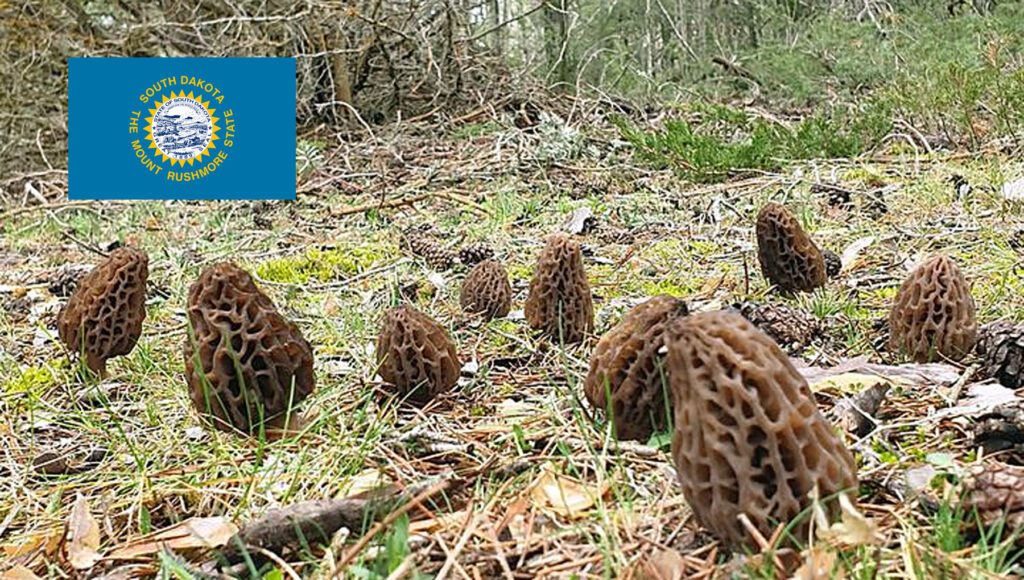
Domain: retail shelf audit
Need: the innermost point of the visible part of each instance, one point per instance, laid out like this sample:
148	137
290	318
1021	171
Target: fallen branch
316	521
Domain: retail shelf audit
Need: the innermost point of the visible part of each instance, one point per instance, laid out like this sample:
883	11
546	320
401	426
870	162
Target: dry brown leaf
83	538
661	565
818	566
563	495
853	529
47	541
190	534
18	573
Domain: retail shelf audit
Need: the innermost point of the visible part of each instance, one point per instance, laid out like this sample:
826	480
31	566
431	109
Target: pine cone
1001	346
421	243
833	263
473	254
791	328
996	491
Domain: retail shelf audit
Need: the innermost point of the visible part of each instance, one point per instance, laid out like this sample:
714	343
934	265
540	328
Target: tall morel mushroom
789	258
749	438
628	367
103	317
933	315
559	302
416	355
486	290
247	366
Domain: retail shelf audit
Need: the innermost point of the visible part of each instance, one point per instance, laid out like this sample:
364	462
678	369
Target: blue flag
181	128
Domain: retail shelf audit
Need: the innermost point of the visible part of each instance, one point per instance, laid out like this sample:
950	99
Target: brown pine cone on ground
472	254
423	244
1001	347
792	328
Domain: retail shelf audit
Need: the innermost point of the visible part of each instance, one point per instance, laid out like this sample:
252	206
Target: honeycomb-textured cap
789	258
487	290
103	317
628	364
749	438
416	355
559	303
246	364
1001	346
933	314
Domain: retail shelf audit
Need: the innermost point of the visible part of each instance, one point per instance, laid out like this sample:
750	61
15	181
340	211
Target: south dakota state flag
181	128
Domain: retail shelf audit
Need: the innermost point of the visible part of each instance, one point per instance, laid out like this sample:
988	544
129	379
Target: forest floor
524	478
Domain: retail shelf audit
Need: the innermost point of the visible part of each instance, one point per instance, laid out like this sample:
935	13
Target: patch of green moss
666	286
316	265
33	380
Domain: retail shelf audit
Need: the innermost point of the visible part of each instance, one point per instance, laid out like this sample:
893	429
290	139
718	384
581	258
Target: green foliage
726	141
319	265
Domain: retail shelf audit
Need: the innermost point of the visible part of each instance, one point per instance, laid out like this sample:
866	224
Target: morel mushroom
559	302
749	438
103	318
628	367
486	290
247	366
933	315
416	355
789	258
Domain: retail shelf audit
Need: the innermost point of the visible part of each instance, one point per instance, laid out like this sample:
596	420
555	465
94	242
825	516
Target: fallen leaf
190	534
853	529
847	383
362	482
919	478
980	398
83	538
48	542
852	251
1013	190
563	495
661	565
18	573
818	566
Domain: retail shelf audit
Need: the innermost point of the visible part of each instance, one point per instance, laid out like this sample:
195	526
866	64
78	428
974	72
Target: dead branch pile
360	62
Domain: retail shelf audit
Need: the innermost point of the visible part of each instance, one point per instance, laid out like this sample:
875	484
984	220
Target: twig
414	502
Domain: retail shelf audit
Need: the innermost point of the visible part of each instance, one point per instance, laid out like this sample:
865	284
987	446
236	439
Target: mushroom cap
246	365
103	317
416	355
559	303
628	365
749	438
487	290
789	258
933	315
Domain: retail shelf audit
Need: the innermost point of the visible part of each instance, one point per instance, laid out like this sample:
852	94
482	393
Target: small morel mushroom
559	302
628	366
749	438
103	317
789	258
416	355
486	290
247	366
933	315
1001	346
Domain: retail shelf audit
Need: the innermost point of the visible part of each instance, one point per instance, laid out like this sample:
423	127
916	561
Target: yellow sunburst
213	132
